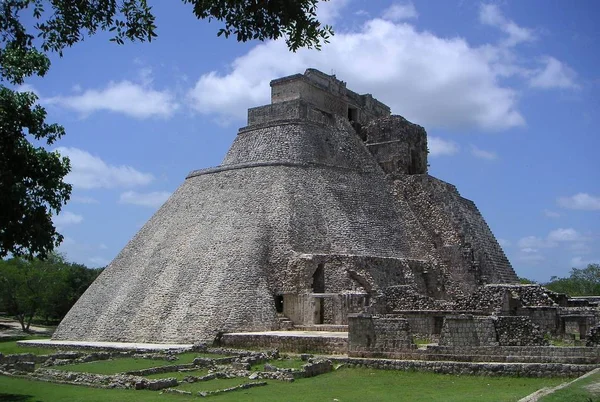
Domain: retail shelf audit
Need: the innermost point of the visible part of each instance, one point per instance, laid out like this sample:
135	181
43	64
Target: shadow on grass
16	398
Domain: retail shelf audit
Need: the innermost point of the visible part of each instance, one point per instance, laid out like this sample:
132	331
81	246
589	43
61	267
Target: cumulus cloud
66	218
531	247
490	14
482	154
89	171
564	235
329	11
431	80
153	199
439	147
399	12
554	74
582	201
126	97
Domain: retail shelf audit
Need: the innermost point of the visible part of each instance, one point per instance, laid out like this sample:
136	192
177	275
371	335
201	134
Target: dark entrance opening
352	114
318	284
279	303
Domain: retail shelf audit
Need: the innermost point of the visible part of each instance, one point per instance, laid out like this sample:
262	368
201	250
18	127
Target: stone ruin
321	210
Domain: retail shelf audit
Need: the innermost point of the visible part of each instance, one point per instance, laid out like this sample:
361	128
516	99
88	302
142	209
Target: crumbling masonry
322	208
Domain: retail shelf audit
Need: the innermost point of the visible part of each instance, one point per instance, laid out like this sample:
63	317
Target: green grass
21	390
124	364
9	347
180	375
344	384
115	366
579	391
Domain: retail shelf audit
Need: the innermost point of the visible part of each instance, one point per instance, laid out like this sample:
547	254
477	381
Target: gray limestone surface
322	204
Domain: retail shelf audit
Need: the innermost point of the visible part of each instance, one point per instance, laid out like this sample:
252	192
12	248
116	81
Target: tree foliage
31	177
581	282
44	288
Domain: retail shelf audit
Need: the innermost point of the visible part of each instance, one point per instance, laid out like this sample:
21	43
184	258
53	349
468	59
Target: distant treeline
581	282
43	289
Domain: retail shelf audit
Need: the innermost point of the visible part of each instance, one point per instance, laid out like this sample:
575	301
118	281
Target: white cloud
482	154
89	171
399	12
579	262
583	201
66	218
431	80
129	98
439	147
531	242
27	88
153	199
564	235
329	11
84	200
490	14
554	75
551	214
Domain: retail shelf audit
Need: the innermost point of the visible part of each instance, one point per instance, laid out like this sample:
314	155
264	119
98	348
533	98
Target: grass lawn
9	347
344	384
115	366
585	390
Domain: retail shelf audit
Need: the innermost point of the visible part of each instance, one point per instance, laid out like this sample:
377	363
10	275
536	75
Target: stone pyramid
322	207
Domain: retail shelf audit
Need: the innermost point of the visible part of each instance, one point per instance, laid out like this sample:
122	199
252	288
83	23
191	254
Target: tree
46	288
581	282
31	177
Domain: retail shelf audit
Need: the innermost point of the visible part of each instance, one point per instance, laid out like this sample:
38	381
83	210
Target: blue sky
508	93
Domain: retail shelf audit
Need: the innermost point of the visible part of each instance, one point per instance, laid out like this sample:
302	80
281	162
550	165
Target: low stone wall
102	381
518	331
594	337
378	334
471	331
469	368
467	330
497	354
296	344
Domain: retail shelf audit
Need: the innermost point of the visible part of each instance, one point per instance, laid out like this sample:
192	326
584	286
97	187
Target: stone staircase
285	323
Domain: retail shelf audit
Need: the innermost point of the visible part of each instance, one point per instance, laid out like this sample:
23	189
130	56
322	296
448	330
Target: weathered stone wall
468	368
468	330
518	331
323	344
398	145
373	335
459	232
593	338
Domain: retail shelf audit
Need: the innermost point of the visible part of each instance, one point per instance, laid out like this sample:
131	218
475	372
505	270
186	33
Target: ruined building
322	207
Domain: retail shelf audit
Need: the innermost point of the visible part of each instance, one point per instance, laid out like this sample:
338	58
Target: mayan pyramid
322	207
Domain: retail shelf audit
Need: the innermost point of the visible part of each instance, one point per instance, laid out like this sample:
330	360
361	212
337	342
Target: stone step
322	327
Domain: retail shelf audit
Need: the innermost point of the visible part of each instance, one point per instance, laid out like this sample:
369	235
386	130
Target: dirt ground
10	328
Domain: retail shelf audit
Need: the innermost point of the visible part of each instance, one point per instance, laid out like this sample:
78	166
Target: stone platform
328	342
47	343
